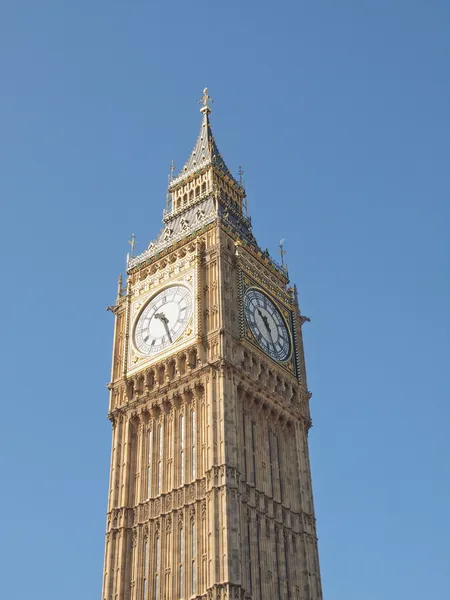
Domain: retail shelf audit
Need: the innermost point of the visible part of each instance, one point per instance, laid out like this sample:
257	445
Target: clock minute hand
162	317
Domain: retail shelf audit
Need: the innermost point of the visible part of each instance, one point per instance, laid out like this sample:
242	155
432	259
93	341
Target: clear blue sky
339	114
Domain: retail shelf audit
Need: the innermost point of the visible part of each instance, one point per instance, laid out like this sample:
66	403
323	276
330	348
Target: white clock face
163	320
267	324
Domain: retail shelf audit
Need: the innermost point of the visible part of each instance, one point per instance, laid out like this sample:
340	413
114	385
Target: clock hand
167	330
263	318
271	336
266	323
162	317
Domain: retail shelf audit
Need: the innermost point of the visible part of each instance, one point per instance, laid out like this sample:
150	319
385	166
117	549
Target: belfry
210	492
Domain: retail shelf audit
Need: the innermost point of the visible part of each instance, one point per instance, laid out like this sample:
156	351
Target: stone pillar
139	458
112	464
125	468
106	593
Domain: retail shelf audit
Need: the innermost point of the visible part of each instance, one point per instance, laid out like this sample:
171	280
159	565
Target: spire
203	193
205	151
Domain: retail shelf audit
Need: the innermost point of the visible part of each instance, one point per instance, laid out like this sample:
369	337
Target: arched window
244	438
151	380
253	457
180	563
181	449
171	370
161	375
160	436
271	459
149	462
258	546
193	557
277	567
194	435
157	565
182	364
249	553
145	586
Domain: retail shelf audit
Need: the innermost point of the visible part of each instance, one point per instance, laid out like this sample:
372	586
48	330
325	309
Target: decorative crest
205	100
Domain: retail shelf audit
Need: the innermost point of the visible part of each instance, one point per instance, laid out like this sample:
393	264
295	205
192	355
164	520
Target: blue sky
339	114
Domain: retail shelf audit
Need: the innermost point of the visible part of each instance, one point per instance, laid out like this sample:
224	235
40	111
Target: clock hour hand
165	321
265	320
266	323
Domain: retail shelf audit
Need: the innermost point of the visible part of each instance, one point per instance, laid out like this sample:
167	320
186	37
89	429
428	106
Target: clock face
267	324
163	320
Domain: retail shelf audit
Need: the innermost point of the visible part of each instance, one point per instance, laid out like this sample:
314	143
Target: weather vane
205	100
282	252
132	243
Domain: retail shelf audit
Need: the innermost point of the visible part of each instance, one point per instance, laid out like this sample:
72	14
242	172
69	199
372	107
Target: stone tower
210	491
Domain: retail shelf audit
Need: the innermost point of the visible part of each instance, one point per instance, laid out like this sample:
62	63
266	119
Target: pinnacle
205	151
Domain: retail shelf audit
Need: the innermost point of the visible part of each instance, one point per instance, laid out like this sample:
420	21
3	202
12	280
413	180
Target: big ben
210	492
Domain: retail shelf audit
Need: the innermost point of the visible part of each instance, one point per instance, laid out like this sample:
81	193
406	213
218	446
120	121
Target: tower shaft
210	490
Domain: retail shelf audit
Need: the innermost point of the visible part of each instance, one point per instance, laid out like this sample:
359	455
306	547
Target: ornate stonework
210	492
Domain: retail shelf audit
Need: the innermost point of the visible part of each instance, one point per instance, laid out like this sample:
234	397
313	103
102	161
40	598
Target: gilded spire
205	151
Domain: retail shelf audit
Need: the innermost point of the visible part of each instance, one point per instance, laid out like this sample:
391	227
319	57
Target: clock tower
210	491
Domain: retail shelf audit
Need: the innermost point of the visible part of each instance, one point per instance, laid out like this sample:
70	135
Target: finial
282	252
205	100
169	181
166	210
119	285
242	184
132	243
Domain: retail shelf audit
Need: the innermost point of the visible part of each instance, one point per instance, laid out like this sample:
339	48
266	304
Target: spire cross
132	243
282	252
205	100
